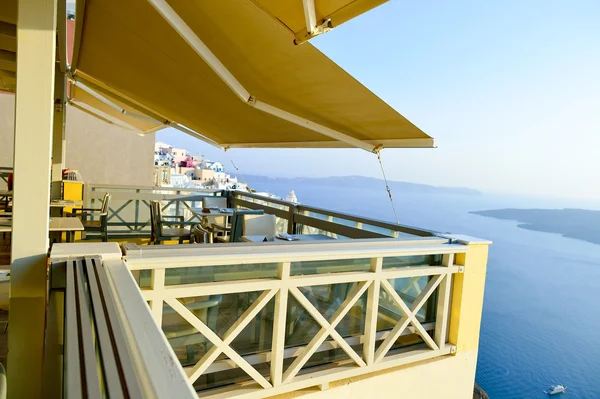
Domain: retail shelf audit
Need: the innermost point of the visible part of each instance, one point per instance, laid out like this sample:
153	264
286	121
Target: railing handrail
263	198
94	186
298	208
369	221
271	252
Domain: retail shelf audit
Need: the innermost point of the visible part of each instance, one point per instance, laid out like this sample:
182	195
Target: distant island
367	183
580	224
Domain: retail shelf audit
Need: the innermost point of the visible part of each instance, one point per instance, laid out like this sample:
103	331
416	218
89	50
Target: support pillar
467	294
34	108
58	131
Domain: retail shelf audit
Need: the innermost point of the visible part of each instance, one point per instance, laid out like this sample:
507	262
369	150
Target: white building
179	180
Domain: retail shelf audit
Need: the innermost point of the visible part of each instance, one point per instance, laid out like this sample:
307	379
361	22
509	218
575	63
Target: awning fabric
291	12
128	49
84	99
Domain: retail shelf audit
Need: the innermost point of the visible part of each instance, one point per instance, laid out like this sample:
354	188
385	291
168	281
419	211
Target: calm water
541	316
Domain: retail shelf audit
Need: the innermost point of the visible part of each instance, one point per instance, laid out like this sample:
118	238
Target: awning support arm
113	105
177	23
172	124
96	114
310	15
312	27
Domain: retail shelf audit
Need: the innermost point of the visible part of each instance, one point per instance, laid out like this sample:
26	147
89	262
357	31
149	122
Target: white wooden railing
412	279
129	208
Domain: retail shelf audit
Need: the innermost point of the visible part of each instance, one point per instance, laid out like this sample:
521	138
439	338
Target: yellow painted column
467	294
36	52
58	129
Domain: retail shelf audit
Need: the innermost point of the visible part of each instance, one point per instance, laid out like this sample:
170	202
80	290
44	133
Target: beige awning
296	96
108	107
316	15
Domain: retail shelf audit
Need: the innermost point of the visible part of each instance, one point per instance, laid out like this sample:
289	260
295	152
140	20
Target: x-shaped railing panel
327	329
410	316
224	345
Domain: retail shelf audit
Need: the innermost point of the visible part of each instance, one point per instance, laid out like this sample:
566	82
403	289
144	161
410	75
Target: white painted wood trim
214	338
159	370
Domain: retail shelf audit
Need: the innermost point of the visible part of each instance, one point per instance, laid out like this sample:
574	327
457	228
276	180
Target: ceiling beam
8	61
8	81
8	37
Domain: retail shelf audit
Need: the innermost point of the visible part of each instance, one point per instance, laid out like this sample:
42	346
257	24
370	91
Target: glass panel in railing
409	289
328	301
390	313
219	313
208	274
330	266
411	261
315	215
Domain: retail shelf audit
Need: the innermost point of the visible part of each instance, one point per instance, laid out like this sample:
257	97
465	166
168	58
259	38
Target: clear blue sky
510	90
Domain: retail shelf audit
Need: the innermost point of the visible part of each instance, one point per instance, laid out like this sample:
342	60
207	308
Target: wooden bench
96	361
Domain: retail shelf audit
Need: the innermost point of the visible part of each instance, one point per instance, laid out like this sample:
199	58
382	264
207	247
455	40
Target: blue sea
541	315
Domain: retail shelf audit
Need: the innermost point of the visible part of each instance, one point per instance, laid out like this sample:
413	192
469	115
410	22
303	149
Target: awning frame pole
193	133
190	37
310	15
324	130
165	10
96	114
113	105
172	124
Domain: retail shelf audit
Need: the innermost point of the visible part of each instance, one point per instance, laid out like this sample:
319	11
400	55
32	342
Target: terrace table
213	212
56	225
299	237
57	207
64	203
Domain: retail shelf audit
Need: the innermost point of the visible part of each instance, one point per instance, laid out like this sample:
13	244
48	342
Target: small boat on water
556	389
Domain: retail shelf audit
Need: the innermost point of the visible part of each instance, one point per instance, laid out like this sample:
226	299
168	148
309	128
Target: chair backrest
259	225
211	202
154	212
237	222
219	202
104	208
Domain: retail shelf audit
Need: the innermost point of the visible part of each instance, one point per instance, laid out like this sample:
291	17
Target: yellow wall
103	153
450	377
467	298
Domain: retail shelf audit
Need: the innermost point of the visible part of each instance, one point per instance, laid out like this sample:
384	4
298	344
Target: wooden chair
100	224
160	233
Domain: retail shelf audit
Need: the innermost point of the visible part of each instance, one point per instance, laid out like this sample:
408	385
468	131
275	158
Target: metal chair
160	233
236	231
100	224
259	225
217	225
